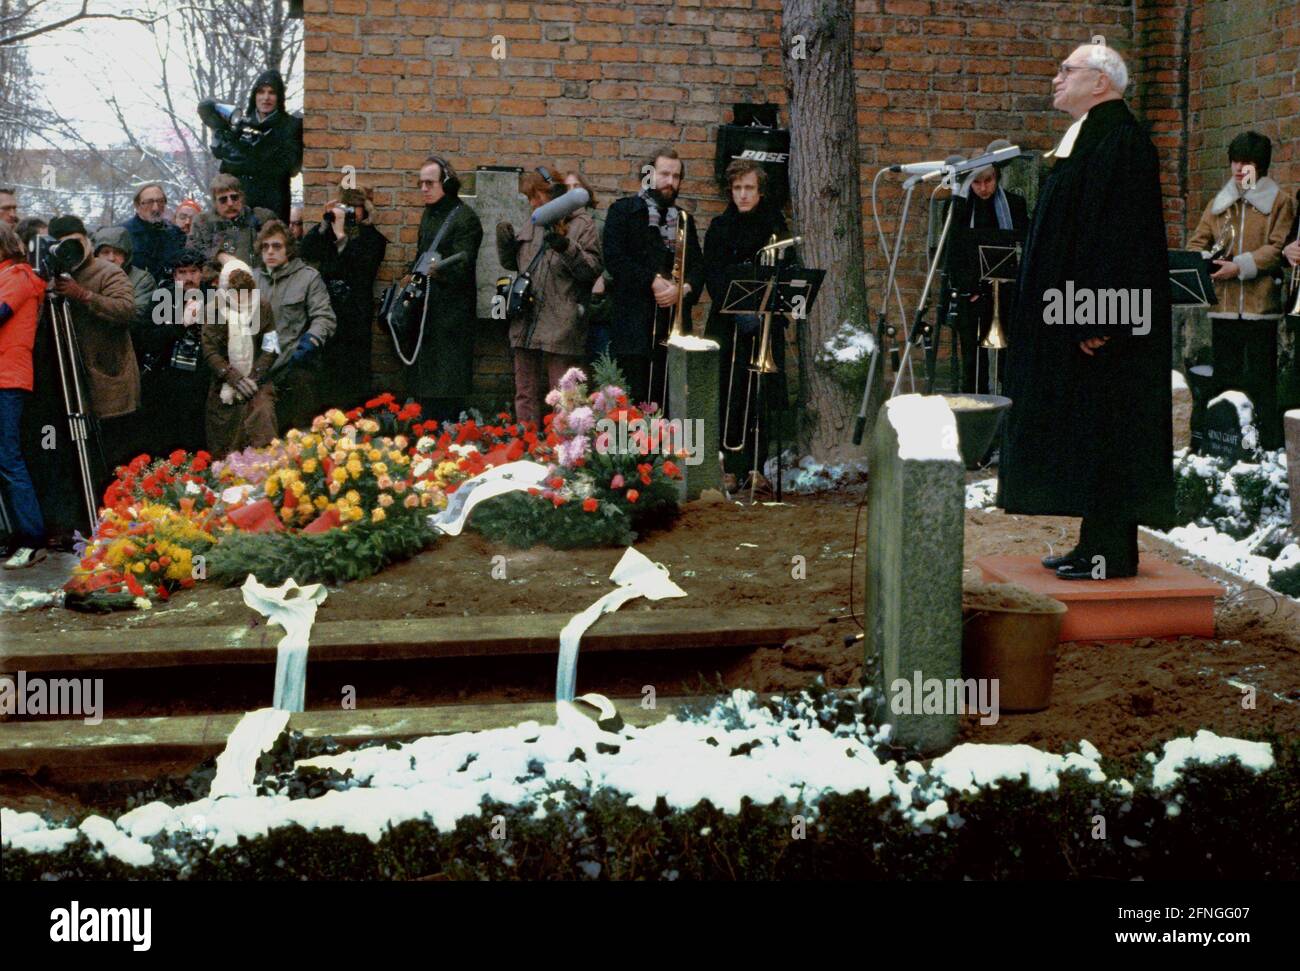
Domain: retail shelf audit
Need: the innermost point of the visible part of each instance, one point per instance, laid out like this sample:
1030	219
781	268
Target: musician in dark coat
638	244
986	205
1089	431
734	239
442	376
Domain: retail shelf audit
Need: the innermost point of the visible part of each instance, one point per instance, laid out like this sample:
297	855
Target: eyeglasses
1066	69
154	202
230	197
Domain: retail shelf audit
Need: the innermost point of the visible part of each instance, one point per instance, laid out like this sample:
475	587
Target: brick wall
598	83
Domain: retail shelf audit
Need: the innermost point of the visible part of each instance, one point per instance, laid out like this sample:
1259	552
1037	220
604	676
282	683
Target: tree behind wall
817	49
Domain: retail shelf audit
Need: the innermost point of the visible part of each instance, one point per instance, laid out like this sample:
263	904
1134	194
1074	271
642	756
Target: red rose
671	470
534	491
555	482
199	463
590	504
177	457
558	501
633	495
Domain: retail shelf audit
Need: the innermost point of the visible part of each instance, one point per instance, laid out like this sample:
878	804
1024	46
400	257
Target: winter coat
1262	218
173	398
301	304
155	246
1093	435
211	234
21	293
445	367
103	327
634	253
349	277
240	424
265	168
734	238
561	283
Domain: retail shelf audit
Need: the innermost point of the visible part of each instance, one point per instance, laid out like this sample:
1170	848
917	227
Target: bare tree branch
80	16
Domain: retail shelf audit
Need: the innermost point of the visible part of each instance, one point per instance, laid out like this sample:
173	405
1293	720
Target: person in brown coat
241	401
1244	322
553	337
102	299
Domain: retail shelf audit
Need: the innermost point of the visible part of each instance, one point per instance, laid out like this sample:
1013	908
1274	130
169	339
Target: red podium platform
1163	600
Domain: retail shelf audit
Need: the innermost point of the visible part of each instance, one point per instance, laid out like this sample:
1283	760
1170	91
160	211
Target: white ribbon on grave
511	477
636	576
293	608
237	763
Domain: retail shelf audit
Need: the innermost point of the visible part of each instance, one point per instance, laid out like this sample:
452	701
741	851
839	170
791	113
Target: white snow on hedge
982	494
1206	749
445	778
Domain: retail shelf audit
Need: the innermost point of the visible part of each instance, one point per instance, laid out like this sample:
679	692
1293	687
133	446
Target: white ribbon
293	608
511	477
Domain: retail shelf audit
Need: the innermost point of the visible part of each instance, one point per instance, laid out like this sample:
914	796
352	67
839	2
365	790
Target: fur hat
66	225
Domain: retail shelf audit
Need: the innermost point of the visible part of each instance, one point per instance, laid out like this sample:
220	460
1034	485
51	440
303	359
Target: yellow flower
138	566
309	466
298	488
378	468
272	485
385	500
374	455
320	502
353	496
394	455
340	474
354	470
337	418
376	515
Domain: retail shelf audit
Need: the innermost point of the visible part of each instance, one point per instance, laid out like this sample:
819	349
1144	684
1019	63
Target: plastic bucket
1018	648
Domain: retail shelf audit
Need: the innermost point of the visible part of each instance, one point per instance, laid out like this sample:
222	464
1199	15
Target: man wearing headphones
442	375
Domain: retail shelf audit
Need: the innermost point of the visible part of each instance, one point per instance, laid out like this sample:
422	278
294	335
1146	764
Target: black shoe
1082	570
1053	562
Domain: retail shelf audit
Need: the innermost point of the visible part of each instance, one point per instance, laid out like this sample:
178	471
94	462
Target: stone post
915	523
1291	421
693	409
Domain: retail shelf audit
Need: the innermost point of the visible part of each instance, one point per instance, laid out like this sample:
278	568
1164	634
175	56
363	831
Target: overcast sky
76	66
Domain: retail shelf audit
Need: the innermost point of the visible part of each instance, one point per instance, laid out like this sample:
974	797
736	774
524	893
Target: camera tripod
82	425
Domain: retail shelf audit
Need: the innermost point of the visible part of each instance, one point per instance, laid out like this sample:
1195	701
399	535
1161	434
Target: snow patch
926	427
1206	749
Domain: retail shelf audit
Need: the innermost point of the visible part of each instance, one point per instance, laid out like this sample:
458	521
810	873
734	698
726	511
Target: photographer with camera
304	323
102	300
21	293
173	376
231	228
264	148
239	353
549	335
347	250
155	242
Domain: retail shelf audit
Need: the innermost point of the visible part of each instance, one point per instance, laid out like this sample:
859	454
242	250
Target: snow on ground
808	475
981	494
741	748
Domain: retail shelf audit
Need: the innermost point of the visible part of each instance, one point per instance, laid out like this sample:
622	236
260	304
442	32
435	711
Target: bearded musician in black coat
734	238
1090	429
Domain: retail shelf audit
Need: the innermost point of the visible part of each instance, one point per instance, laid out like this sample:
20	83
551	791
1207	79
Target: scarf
1000	208
239	330
662	218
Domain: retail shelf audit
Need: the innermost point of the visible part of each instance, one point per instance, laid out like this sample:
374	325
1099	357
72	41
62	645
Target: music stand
1189	279
982	256
788	290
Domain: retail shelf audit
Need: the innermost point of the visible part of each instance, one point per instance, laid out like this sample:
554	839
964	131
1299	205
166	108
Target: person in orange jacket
21	293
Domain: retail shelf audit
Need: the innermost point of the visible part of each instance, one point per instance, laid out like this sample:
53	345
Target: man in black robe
1090	431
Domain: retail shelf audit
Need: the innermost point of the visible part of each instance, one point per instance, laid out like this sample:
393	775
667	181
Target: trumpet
678	310
1224	241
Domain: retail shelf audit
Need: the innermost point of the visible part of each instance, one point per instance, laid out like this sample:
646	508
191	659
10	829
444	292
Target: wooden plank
138	748
405	639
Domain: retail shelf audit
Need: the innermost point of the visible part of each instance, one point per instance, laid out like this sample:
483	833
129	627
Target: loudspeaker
765	144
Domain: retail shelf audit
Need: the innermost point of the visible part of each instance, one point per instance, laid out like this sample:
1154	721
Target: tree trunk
817	45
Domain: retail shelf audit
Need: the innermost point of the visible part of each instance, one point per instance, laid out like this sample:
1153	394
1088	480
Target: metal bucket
1018	647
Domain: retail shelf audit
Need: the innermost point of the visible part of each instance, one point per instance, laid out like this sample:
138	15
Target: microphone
992	158
560	208
918	168
930	176
784	244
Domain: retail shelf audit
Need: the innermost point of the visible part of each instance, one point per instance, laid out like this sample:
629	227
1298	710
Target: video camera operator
347	250
231	228
155	241
101	300
173	374
265	148
21	293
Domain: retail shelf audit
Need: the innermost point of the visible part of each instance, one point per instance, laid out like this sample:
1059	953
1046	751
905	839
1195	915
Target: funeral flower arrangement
355	491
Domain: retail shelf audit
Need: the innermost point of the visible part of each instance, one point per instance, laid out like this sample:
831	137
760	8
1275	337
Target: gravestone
693	401
1291	421
1230	431
1182	411
496	197
915	516
1200	383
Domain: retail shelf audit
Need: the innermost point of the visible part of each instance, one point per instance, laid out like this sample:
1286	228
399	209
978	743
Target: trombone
678	310
762	362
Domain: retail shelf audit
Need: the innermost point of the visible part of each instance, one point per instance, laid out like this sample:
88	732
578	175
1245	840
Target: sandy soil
1125	698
